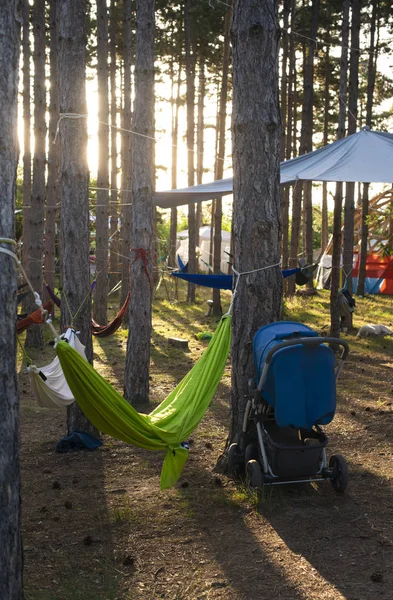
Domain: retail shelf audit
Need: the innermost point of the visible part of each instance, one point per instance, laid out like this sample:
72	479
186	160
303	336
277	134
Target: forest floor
96	526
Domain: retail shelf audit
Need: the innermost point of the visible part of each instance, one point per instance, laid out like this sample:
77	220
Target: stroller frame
253	451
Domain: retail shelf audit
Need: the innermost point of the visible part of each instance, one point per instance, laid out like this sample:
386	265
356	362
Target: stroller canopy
300	384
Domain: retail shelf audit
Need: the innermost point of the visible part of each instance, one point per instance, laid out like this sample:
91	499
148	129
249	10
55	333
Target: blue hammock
220	282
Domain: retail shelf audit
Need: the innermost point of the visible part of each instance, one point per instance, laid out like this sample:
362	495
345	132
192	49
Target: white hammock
48	383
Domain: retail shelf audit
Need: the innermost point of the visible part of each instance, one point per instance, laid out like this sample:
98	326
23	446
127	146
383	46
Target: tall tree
256	210
114	245
200	137
140	315
371	72
175	137
36	223
52	184
74	182
126	156
349	205
101	290
11	587
326	117
338	200
286	121
190	136
219	167
307	130
26	132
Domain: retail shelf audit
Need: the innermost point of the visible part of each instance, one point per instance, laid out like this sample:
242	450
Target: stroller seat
300	382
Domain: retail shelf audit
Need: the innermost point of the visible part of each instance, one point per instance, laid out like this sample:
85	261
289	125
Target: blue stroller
293	394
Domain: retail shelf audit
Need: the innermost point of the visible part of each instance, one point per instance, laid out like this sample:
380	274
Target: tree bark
336	251
126	142
349	205
371	72
102	211
256	211
113	209
295	233
36	225
307	131
190	137
217	311
74	182
200	137
52	184
284	102
175	136
26	137
11	587
326	116
140	315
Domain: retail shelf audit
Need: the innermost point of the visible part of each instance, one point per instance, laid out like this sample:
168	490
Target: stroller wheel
254	474
340	475
234	459
251	453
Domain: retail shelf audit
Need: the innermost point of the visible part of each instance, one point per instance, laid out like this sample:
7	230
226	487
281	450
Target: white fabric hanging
49	384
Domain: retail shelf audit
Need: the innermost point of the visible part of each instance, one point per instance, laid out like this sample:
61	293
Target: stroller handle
305	341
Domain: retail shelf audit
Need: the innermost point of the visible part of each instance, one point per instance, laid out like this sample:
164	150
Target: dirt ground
97	527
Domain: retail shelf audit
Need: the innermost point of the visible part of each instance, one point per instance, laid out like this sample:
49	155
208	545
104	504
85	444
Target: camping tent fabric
365	156
379	274
166	427
48	384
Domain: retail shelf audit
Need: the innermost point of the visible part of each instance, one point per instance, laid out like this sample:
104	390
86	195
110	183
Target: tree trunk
349	206
11	587
326	116
114	242
102	211
256	211
371	72
190	137
200	138
175	136
126	142
74	182
138	345
336	251
52	185
26	137
284	97
295	233
217	311
36	225
307	131
363	246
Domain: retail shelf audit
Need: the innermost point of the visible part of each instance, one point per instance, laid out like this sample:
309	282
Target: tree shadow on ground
68	553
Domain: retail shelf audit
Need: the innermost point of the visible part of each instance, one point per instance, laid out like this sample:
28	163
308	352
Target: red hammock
113	326
34	317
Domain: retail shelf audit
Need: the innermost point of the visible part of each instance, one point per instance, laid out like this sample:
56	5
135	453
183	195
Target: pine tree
140	323
11	587
256	211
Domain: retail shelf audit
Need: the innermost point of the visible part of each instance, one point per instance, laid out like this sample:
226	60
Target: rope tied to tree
37	298
141	253
67	116
238	275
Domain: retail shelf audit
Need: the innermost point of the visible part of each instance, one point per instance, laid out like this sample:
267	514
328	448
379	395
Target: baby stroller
293	394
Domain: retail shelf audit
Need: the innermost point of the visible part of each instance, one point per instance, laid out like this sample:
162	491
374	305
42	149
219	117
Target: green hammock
167	426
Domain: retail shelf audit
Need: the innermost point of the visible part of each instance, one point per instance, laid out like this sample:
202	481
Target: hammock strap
142	254
238	274
36	295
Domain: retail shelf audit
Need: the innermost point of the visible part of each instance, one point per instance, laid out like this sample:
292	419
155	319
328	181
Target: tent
365	156
204	248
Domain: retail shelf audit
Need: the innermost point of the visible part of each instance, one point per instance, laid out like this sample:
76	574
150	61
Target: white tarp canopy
365	156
